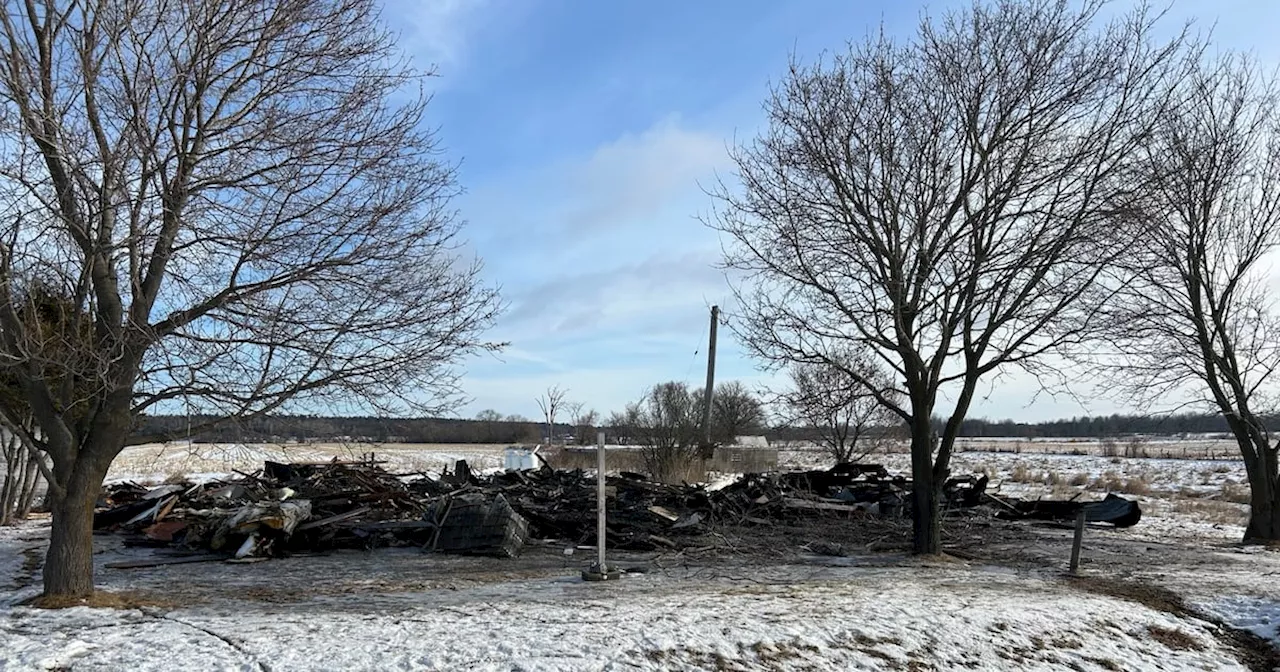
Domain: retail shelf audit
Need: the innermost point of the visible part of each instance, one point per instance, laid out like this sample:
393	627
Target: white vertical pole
600	531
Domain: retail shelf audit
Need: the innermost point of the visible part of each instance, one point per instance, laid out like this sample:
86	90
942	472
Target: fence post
600	571
1075	543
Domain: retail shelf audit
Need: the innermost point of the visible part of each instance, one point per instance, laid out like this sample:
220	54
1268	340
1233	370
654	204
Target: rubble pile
292	508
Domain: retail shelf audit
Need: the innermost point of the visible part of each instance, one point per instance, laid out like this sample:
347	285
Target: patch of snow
1261	616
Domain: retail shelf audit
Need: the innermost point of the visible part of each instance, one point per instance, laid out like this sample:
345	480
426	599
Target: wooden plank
663	512
818	506
354	513
1005	505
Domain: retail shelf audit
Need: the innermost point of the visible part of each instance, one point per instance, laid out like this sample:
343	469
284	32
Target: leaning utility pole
711	381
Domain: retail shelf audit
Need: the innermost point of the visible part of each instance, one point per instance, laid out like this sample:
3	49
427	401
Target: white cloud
434	32
635	175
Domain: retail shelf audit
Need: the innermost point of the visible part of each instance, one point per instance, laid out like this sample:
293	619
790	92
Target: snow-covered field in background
156	462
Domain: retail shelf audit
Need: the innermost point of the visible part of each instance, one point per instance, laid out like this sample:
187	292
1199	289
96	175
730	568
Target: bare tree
940	204
584	425
241	203
849	422
666	426
735	411
624	425
1195	321
552	402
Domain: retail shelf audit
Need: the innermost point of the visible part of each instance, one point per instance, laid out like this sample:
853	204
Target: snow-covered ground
883	612
400	609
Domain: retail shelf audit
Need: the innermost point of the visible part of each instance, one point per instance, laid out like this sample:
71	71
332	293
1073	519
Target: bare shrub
1110	448
666	428
1079	479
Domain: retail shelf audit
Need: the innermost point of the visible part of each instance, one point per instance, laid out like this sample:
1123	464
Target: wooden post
600	499
711	378
1075	543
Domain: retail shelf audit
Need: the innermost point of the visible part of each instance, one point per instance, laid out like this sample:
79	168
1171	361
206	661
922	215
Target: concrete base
597	573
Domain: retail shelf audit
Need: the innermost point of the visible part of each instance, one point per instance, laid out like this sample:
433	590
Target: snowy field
1009	609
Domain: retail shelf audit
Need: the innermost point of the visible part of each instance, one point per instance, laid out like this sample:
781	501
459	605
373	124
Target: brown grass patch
1238	493
1112	482
1067	642
1021	474
102	599
1212	510
1079	480
1176	640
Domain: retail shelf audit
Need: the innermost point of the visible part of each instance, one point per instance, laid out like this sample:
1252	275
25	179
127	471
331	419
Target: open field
1154	597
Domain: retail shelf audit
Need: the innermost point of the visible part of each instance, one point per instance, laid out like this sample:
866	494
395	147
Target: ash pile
286	509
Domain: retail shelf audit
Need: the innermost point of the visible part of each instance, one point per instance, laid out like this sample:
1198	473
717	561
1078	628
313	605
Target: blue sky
587	131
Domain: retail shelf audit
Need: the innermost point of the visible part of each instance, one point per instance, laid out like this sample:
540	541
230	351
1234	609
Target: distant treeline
1104	426
451	430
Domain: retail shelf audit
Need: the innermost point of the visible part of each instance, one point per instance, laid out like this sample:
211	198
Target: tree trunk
1264	521
1264	502
927	536
68	567
9	492
30	483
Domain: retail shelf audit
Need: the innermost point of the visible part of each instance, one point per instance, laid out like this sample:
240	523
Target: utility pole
711	381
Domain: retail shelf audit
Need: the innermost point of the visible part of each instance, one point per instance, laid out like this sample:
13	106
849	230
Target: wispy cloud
435	32
633	176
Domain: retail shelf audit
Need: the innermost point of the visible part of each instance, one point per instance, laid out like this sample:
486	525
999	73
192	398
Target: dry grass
102	599
1021	474
1112	482
1176	640
1212	510
585	458
1078	480
690	471
1237	493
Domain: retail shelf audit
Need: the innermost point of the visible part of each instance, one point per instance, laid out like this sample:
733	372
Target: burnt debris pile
295	508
